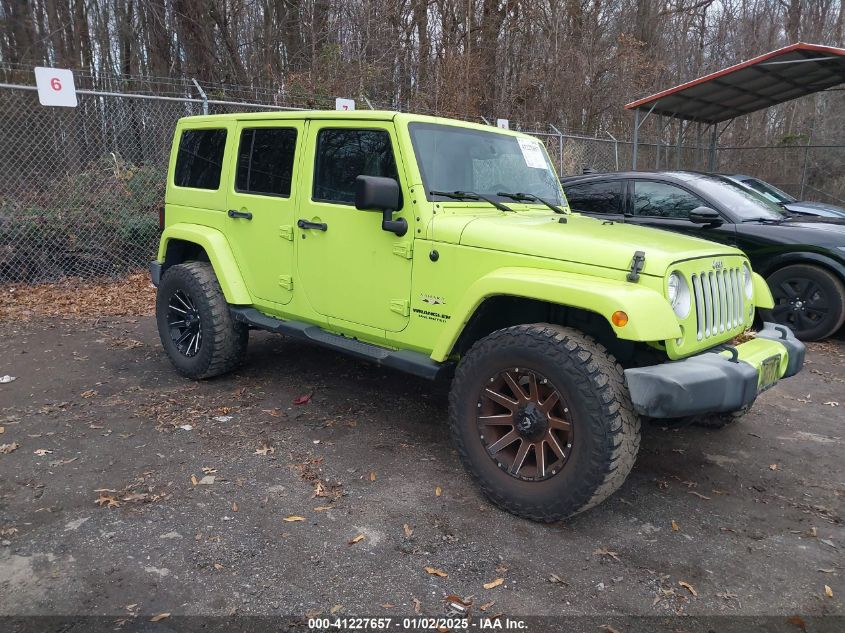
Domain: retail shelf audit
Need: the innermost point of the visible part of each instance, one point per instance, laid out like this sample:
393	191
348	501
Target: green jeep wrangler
447	249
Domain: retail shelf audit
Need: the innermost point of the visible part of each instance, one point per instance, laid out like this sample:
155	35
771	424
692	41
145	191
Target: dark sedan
803	259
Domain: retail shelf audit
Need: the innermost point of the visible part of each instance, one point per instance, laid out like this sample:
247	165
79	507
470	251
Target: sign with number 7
55	87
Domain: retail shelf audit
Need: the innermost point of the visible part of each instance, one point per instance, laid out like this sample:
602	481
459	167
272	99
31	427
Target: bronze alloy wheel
525	424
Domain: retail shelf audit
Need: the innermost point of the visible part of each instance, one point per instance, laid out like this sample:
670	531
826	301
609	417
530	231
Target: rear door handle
319	226
246	215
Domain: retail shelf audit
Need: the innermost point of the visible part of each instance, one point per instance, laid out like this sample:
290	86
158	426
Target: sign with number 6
55	87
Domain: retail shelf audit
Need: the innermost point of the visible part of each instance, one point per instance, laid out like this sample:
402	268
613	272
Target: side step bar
409	362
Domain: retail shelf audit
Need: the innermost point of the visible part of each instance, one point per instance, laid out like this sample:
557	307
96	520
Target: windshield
769	191
454	159
743	202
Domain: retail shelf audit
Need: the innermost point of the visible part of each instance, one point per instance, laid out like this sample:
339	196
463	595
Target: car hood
815	208
824	232
582	240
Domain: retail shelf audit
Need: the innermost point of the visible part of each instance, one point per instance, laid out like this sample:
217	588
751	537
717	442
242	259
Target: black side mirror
705	215
374	193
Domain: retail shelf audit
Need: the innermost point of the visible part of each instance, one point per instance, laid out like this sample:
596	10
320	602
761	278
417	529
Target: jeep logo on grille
717	264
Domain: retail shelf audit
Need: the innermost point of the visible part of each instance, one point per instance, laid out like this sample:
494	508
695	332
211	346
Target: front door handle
319	226
246	215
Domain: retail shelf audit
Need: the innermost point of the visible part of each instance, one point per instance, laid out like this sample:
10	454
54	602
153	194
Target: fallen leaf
699	495
675	526
555	579
107	500
773	466
265	449
355	539
608	628
194	480
5	449
688	587
828	542
335	608
798	621
234	506
409	531
218	566
41	452
159	617
303	399
494	583
88	394
417	605
813	532
487	605
2	430
207	480
387	605
826	571
603	551
293	518
436	572
828	591
832	403
322	508
372	476
438	491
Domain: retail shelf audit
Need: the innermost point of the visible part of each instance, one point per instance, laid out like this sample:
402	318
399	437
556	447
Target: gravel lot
134	492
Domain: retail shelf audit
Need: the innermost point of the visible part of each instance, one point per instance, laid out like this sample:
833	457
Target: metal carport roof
787	73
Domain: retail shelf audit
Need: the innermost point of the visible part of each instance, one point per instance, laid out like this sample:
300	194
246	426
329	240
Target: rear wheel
194	323
543	421
810	300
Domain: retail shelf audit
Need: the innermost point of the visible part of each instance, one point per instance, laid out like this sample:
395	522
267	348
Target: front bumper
714	382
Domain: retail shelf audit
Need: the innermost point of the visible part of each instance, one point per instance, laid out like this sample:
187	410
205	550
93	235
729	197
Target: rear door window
265	161
595	197
199	160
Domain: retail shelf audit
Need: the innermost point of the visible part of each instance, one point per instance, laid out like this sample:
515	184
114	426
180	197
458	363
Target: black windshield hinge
637	264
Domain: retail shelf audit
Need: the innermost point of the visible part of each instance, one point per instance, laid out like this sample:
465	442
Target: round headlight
746	280
679	295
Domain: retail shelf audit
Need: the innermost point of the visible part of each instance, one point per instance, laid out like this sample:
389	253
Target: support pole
806	157
203	96
713	137
659	140
635	139
678	144
559	148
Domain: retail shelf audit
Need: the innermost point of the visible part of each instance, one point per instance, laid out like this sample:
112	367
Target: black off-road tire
224	340
827	291
719	420
606	429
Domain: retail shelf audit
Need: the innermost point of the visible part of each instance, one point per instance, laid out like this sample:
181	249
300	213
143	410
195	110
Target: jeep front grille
719	301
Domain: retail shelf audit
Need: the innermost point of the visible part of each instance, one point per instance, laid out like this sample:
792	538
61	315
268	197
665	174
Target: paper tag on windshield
532	153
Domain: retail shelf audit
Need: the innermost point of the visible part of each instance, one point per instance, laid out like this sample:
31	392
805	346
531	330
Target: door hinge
286	232
400	306
404	249
286	282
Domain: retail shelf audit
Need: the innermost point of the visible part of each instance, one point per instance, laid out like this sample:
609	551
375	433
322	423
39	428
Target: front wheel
194	323
808	299
543	421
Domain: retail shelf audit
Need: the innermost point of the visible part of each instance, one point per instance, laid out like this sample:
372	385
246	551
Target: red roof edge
799	46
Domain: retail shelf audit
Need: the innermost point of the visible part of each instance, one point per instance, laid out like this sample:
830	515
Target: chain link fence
80	188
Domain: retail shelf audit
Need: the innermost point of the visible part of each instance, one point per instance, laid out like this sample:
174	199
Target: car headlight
746	279
679	295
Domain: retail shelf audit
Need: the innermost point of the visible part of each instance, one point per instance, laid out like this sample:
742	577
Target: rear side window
265	161
200	159
343	155
595	197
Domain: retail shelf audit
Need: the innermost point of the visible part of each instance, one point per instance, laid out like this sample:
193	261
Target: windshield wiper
530	197
767	220
470	195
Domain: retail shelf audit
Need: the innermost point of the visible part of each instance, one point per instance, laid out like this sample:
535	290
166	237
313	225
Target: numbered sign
503	123
344	104
55	87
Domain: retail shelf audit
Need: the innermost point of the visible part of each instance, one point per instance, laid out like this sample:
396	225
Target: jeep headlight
679	295
746	280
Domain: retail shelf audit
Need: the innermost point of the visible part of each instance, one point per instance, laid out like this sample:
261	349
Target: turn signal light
619	318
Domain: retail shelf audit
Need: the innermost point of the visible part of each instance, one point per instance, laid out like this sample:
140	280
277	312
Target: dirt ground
309	483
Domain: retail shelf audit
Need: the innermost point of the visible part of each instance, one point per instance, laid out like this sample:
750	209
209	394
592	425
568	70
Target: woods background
570	62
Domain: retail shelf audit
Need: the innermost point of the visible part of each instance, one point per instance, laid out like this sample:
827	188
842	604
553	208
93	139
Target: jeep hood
582	240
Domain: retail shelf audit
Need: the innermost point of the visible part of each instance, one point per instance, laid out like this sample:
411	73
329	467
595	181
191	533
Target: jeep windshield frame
455	158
